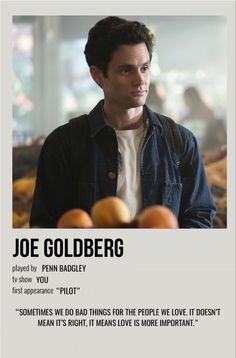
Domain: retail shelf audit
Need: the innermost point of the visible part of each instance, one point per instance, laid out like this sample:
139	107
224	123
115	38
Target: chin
138	102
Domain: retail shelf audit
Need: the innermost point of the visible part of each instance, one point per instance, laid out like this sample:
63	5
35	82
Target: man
121	148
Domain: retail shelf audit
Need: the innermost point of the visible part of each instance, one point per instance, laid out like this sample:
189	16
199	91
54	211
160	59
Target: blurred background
52	83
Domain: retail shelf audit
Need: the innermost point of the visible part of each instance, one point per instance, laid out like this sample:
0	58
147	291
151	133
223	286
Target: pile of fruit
23	189
216	171
112	212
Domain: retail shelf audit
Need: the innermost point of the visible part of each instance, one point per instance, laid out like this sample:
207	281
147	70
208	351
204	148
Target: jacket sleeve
197	206
52	196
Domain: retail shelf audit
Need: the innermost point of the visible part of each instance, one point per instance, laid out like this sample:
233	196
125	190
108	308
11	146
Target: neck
122	119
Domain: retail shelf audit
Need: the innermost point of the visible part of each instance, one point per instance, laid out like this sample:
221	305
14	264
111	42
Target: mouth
139	93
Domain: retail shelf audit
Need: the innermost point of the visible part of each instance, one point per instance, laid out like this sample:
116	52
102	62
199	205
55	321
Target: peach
110	212
157	216
75	218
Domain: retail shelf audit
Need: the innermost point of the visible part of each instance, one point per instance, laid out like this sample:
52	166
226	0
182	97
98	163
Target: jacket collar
97	120
154	121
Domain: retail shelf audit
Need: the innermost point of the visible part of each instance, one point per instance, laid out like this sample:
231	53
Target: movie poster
126	290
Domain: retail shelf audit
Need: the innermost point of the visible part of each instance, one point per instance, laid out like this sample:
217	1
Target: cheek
119	85
147	78
115	85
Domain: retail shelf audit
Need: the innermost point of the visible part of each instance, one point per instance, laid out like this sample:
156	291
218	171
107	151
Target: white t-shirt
130	143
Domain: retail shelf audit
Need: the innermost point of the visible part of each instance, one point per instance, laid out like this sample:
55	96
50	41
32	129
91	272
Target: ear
97	75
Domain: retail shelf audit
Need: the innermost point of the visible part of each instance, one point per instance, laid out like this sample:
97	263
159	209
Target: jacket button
111	175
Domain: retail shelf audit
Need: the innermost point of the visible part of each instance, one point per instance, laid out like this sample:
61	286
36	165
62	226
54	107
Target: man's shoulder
159	118
185	132
66	130
181	140
59	134
174	127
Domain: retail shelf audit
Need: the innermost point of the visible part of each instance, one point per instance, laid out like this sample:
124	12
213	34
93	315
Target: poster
163	293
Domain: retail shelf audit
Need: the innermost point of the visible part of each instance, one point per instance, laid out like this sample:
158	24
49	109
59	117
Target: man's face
127	80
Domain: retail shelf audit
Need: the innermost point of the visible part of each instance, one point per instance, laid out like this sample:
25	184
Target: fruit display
216	172
112	212
20	219
25	159
157	216
22	189
75	218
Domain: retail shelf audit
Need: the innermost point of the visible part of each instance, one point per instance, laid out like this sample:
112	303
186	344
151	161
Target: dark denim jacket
76	175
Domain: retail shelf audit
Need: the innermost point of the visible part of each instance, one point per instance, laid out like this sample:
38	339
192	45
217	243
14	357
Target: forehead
130	54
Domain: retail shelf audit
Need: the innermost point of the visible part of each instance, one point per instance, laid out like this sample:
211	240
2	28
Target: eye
125	70
145	68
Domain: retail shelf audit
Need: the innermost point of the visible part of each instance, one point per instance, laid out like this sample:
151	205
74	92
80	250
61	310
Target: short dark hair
109	33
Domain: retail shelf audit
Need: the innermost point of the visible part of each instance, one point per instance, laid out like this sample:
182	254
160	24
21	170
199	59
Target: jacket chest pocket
172	196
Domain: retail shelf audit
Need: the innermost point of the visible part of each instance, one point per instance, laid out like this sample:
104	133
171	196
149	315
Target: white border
197	252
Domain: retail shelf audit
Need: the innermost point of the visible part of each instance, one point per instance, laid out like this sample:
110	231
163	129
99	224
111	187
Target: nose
139	78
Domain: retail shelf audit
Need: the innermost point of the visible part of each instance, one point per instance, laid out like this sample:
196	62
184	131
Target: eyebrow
128	65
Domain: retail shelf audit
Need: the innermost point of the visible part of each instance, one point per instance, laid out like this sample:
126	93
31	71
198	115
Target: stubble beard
137	102
128	102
